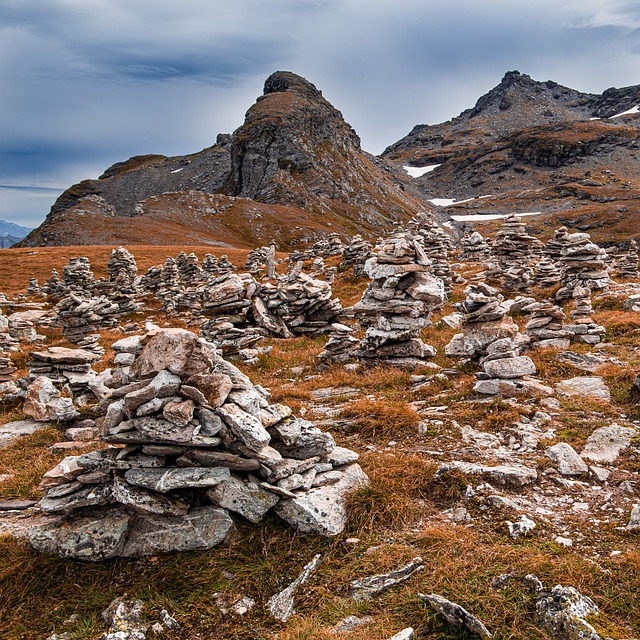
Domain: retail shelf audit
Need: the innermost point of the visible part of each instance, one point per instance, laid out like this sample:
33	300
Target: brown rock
214	386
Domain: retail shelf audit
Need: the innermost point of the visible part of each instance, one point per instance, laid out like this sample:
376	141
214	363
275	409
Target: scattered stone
366	588
634	519
569	463
281	605
351	623
13	430
43	402
456	615
584	386
522	528
605	444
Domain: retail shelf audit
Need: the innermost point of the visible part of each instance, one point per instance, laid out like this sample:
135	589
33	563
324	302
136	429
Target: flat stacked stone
201	443
51	286
397	304
475	248
70	368
317	267
7	375
355	254
584	265
492	338
33	288
76	277
546	273
23	330
341	345
583	327
627	263
545	325
236	342
513	252
325	247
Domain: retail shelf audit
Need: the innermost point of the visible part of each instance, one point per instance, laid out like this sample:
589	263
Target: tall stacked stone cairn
513	252
355	254
546	273
397	304
122	270
584	265
583	327
492	338
81	317
33	288
191	442
7	370
627	262
256	258
77	277
475	248
210	265
545	325
437	245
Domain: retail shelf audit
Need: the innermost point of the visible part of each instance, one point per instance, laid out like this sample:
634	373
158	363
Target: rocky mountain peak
281	81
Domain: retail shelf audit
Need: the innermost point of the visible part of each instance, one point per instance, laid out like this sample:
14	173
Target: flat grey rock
323	510
164	480
248	499
508	368
606	444
456	615
11	431
569	463
585	386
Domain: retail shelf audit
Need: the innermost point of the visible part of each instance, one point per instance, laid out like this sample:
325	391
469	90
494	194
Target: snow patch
635	109
447	202
416	172
491	216
178	170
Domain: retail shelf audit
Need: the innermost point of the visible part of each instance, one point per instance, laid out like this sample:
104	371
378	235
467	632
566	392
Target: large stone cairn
77	277
492	338
513	252
627	262
583	327
475	248
225	265
355	254
584	265
397	303
201	442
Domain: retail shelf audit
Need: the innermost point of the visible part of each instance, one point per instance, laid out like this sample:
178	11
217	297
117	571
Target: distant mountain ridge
294	150
10	233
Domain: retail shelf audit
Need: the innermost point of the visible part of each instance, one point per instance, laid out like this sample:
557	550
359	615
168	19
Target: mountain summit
294	168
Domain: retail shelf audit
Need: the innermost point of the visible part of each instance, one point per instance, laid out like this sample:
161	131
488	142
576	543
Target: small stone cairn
355	254
545	326
583	328
80	317
627	263
554	246
225	265
66	368
437	245
475	248
7	374
341	345
546	273
397	303
492	338
256	258
201	443
122	271
584	265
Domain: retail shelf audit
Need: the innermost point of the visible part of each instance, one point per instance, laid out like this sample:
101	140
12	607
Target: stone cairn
77	277
81	318
475	248
201	442
355	254
437	245
554	246
210	265
492	338
627	263
397	304
512	253
7	373
122	271
583	328
66	368
545	326
584	265
256	258
225	265
546	273
341	345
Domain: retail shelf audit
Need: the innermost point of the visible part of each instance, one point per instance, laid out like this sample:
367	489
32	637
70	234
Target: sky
87	83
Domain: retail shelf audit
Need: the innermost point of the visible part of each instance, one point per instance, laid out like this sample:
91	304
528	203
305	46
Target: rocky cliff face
294	150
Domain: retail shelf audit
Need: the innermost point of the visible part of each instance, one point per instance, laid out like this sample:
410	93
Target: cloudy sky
86	83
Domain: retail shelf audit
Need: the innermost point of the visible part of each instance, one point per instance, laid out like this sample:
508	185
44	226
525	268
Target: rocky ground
469	495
